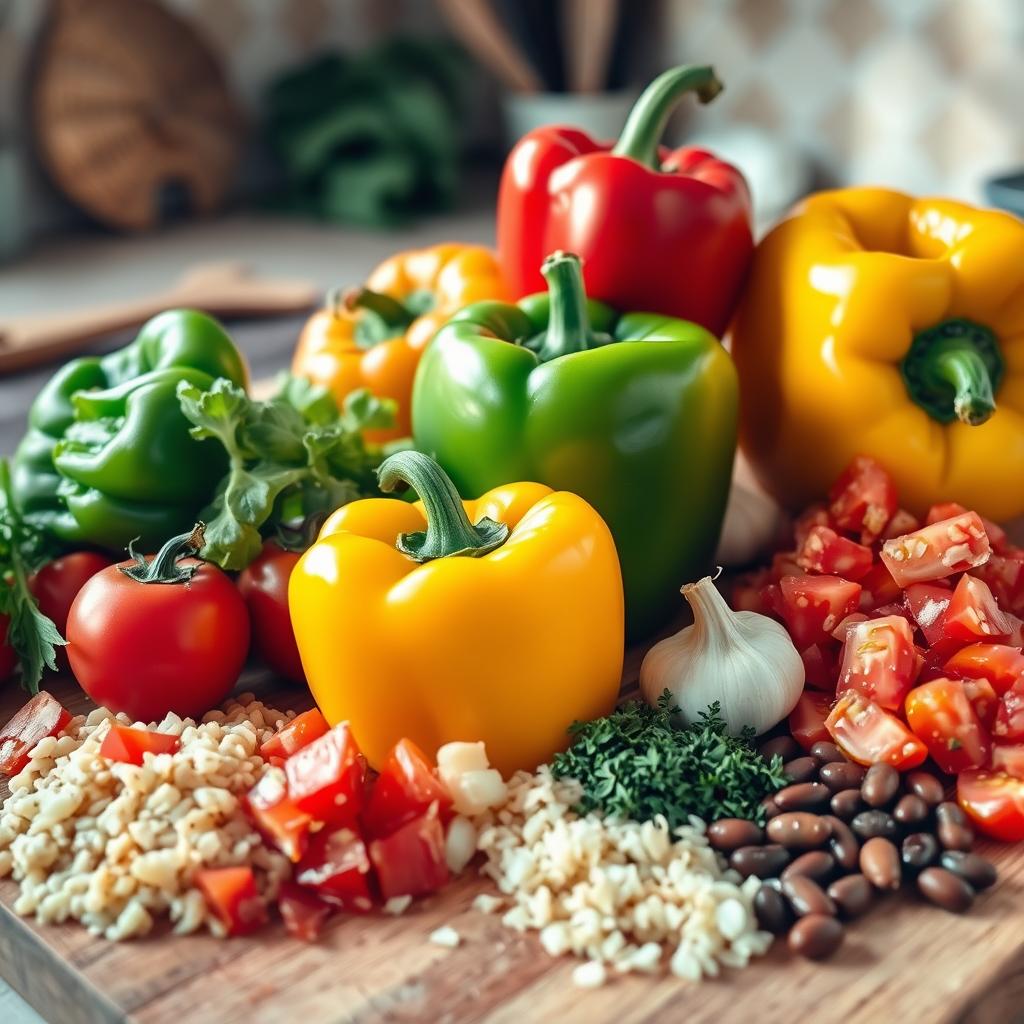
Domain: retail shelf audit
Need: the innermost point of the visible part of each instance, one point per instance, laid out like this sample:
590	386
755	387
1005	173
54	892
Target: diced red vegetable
784	563
123	743
995	803
411	861
824	551
868	734
842	631
303	912
405	789
337	867
807	719
1009	758
812	606
1009	727
294	735
879	661
277	817
943	718
1004	575
950	509
232	897
1000	664
984	700
40	717
748	593
877	588
812	516
325	777
942	549
902	522
973	615
863	499
927	603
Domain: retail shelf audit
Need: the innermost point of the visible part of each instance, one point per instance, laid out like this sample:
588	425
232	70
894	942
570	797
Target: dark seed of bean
926	786
785	746
844	844
815	864
761	861
949	811
869	824
971	867
805	796
728	834
852	894
880	786
798	830
770	807
910	810
825	753
815	937
919	850
807	897
840	775
954	836
945	889
801	769
772	910
847	804
880	863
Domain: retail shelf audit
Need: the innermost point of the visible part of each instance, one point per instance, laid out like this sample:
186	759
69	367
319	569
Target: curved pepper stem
165	568
383	317
568	327
449	531
645	125
953	370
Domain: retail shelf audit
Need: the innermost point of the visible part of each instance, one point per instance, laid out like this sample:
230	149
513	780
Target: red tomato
337	867
40	717
56	585
405	789
1004	575
123	743
807	719
784	563
1009	725
868	734
983	699
302	911
842	631
950	509
276	816
995	803
151	648
973	614
232	897
325	778
1009	759
879	661
933	552
411	861
863	499
1000	664
812	606
294	735
8	656
927	603
902	522
944	719
812	516
824	551
877	588
820	667
264	585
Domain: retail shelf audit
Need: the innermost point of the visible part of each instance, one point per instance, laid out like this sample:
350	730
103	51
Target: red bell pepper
659	231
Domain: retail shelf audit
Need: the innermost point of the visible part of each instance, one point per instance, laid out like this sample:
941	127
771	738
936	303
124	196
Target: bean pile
840	834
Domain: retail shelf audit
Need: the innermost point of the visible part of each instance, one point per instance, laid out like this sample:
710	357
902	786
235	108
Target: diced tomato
820	667
927	603
294	735
807	719
325	777
812	606
995	803
276	816
984	700
943	718
877	588
863	499
868	734
784	563
824	551
405	789
1000	664
902	522
748	592
40	717
842	631
1009	727
337	866
1008	758
302	911
973	614
122	743
879	661
232	897
411	861
1005	578
771	597
1016	638
942	549
812	516
950	509
900	610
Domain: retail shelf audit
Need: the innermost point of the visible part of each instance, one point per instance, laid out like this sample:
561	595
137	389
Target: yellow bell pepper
372	337
412	621
880	324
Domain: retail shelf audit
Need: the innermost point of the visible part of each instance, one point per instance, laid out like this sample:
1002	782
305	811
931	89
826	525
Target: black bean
926	786
798	830
951	812
772	910
760	861
853	895
919	850
840	775
815	864
843	843
954	836
815	937
910	810
880	863
801	769
869	824
825	753
728	834
880	786
807	897
971	867
945	889
847	804
804	796
785	746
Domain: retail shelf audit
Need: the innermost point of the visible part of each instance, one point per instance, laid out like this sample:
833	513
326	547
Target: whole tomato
170	633
264	585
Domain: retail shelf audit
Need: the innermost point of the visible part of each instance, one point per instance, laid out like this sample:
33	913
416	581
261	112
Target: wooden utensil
591	25
221	289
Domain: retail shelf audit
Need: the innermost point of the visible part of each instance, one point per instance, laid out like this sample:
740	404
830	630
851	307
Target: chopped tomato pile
910	636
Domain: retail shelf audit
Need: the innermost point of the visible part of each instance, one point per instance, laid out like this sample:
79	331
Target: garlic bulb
753	525
743	660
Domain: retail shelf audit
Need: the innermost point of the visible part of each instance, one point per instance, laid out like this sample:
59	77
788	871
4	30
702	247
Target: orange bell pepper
372	337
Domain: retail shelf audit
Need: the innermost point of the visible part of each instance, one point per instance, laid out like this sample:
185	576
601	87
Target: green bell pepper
636	413
108	457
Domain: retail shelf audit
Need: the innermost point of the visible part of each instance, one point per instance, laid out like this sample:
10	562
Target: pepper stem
568	327
164	567
382	316
449	531
953	370
646	122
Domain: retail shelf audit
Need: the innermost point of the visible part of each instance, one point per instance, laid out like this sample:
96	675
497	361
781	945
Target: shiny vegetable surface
264	585
41	716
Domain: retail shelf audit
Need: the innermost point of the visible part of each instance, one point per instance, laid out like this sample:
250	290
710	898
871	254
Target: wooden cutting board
904	962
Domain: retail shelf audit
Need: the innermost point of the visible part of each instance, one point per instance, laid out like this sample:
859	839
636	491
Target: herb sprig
636	764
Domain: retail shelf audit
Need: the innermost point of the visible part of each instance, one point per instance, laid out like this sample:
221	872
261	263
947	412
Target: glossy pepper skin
879	324
503	622
657	230
108	458
634	412
372	337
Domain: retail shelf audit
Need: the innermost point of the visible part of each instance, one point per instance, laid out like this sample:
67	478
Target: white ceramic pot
600	115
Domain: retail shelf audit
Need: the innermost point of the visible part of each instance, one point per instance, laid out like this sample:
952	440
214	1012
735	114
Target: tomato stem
164	567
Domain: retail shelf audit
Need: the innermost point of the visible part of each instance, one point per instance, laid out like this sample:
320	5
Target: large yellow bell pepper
881	324
504	631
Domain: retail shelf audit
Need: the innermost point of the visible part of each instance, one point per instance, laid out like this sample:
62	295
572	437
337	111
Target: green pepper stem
568	327
382	316
449	531
164	567
646	123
